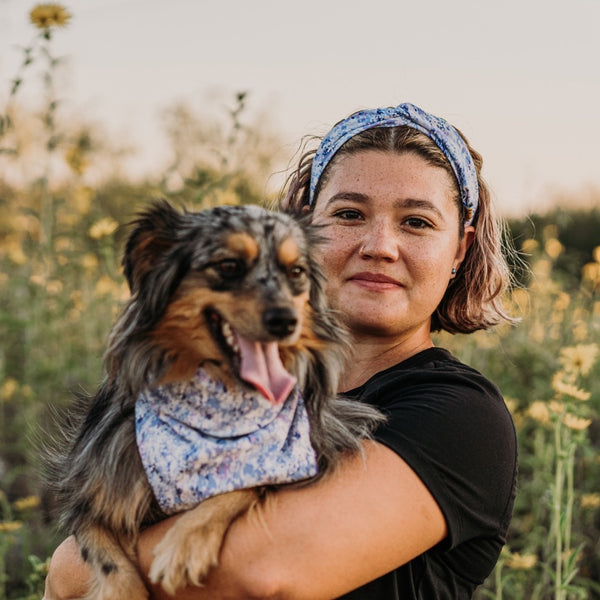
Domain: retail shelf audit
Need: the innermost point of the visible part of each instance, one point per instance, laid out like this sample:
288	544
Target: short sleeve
452	427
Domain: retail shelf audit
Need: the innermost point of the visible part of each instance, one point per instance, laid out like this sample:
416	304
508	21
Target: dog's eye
296	272
230	268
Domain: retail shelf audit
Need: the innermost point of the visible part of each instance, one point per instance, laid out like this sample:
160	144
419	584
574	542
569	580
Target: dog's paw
185	557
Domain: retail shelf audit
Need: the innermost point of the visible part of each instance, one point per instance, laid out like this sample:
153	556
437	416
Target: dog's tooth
228	333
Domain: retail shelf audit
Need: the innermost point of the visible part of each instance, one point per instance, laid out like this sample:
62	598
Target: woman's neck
372	355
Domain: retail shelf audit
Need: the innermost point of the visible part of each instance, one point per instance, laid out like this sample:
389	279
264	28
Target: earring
453	271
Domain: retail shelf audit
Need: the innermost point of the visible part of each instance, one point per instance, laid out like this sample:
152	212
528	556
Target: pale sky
521	78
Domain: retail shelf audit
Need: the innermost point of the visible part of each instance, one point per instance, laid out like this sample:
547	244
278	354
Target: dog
202	285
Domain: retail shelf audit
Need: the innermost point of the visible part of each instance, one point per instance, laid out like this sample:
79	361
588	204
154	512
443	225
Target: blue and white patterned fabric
440	131
198	439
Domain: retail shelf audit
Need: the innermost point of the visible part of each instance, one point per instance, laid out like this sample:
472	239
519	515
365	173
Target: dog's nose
280	322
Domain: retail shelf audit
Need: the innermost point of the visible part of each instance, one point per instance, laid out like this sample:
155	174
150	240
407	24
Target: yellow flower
8	389
539	412
48	15
26	503
89	261
77	300
556	407
82	198
590	501
37	279
576	423
106	286
591	272
8	526
568	389
63	244
562	301
553	248
550	231
521	561
580	358
54	287
13	249
102	228
528	246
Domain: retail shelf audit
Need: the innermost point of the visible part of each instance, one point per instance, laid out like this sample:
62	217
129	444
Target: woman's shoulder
433	373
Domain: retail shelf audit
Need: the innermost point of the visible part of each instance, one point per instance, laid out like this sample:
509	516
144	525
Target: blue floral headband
441	132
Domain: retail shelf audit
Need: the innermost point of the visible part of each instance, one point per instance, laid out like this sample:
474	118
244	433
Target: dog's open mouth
256	363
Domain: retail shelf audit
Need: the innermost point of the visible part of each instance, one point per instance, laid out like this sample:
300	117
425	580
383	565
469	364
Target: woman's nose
380	241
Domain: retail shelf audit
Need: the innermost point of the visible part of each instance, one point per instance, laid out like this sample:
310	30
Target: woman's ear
463	245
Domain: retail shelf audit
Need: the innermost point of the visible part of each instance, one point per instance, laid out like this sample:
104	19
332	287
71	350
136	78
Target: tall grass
61	286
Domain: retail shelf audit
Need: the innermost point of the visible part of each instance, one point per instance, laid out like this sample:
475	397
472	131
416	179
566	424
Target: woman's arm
367	518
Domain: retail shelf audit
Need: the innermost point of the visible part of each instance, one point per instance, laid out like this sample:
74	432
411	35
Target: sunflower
576	423
49	15
580	358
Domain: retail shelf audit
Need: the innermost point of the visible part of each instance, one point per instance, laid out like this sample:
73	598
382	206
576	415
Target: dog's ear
153	235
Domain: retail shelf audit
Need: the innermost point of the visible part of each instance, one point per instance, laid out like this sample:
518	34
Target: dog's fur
189	272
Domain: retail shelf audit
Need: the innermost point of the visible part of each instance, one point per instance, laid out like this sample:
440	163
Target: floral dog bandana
440	131
198	439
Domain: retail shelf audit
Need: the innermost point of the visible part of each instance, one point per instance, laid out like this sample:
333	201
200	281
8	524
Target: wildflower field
64	204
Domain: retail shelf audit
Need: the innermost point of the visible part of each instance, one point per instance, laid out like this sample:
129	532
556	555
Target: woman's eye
417	223
347	214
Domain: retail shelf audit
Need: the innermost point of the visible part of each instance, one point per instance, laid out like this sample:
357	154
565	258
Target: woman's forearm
314	543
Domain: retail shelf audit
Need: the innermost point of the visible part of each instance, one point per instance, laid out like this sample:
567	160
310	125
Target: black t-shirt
450	424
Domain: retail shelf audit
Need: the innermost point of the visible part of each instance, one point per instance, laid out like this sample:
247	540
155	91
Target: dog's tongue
262	367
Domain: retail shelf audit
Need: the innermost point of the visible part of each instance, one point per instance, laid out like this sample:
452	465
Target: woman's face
392	230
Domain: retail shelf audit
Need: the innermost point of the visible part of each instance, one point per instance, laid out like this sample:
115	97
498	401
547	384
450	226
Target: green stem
498	579
558	487
570	494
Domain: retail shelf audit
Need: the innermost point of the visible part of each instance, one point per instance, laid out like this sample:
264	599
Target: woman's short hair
473	299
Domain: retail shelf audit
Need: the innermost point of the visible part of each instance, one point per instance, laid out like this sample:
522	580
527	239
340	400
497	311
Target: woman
412	247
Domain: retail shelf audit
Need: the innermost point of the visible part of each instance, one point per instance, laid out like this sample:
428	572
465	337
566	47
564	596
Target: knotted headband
440	131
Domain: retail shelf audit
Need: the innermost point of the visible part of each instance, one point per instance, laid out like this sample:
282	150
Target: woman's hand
69	577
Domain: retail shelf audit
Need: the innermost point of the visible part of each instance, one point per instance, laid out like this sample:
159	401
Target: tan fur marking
184	334
243	244
288	252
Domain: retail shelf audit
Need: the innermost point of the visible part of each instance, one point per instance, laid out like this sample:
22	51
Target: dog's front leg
116	576
191	547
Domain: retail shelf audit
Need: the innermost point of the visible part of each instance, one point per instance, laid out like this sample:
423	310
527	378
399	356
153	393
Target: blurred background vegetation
64	204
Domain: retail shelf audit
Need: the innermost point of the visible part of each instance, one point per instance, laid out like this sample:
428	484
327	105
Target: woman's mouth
374	281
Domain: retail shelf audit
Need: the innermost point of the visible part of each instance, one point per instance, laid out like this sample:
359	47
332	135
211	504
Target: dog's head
235	289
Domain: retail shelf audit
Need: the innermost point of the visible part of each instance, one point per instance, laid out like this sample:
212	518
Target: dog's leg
192	545
115	575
